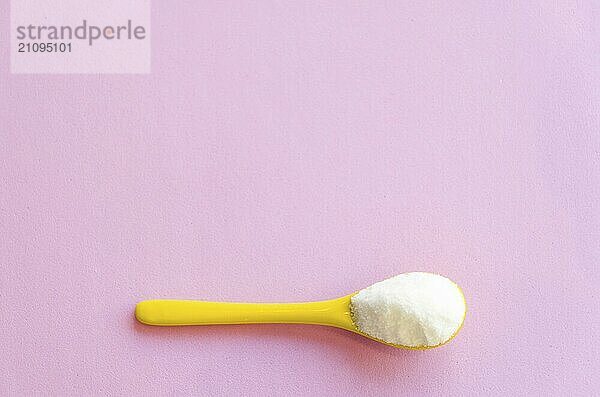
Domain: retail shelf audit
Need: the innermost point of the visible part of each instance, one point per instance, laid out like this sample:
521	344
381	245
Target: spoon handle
335	312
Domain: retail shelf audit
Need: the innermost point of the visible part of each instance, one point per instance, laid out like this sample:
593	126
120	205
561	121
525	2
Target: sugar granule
412	309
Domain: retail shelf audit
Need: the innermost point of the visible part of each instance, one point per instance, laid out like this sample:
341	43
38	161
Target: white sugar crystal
412	309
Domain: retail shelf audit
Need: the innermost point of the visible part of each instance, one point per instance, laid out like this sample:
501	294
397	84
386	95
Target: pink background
285	151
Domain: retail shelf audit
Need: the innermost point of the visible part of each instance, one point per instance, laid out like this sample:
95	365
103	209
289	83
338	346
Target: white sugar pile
412	309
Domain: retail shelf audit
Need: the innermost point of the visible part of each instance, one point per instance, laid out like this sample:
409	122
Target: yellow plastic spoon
334	313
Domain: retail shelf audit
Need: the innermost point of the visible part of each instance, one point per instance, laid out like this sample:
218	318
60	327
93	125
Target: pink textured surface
285	151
